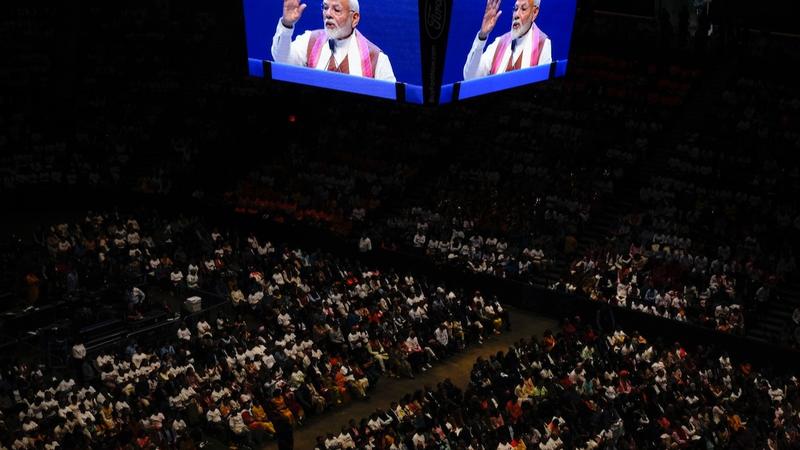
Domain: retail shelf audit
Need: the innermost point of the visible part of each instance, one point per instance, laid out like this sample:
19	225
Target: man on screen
524	46
339	47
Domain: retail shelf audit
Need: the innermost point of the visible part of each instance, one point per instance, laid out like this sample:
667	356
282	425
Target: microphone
331	44
513	45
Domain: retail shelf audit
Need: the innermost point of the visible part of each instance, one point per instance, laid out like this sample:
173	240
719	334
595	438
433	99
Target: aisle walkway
456	368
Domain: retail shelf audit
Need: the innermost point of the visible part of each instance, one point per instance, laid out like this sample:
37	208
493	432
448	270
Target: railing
401	92
472	88
158	330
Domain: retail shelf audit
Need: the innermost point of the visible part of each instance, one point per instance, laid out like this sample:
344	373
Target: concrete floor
457	368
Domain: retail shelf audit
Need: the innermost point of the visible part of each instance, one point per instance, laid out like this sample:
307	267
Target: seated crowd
516	211
121	252
526	200
580	389
694	245
663	274
303	333
710	238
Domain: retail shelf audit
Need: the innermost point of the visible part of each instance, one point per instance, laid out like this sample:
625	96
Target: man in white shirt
192	279
418	314
237	296
418	440
176	276
331	441
285	321
203	328
442	338
137	296
78	356
524	46
184	333
416	354
365	244
339	47
345	441
214	418
357	338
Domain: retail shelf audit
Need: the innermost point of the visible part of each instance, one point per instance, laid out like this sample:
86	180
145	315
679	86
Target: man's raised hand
292	10
490	18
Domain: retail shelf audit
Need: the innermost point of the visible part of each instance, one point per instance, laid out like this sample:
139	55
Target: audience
594	181
587	390
304	333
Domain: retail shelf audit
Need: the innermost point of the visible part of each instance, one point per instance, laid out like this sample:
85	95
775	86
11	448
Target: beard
518	32
338	32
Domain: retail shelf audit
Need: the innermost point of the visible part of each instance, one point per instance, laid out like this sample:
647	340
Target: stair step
790	301
777	321
787	292
783	314
771	327
760	335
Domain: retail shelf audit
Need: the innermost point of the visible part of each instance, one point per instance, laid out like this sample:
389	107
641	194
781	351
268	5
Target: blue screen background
555	18
392	26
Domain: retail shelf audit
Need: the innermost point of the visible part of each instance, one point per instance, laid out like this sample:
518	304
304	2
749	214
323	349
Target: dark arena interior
198	251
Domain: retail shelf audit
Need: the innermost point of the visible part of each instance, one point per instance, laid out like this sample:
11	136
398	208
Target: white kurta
286	51
479	63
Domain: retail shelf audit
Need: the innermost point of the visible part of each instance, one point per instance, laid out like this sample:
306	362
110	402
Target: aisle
457	368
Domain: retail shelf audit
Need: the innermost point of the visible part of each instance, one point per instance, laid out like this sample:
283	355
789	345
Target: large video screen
368	47
501	44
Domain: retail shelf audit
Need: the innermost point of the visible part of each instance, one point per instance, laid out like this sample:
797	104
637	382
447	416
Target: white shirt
357	338
237	296
418	440
441	336
138	295
217	395
375	424
479	63
551	444
192	279
185	334
214	416
178	425
296	53
79	351
413	344
138	358
203	327
346	441
255	298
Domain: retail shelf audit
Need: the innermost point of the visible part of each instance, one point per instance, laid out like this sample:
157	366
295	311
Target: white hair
354	5
535	3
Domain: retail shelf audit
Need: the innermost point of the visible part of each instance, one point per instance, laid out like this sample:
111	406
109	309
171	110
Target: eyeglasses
337	9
